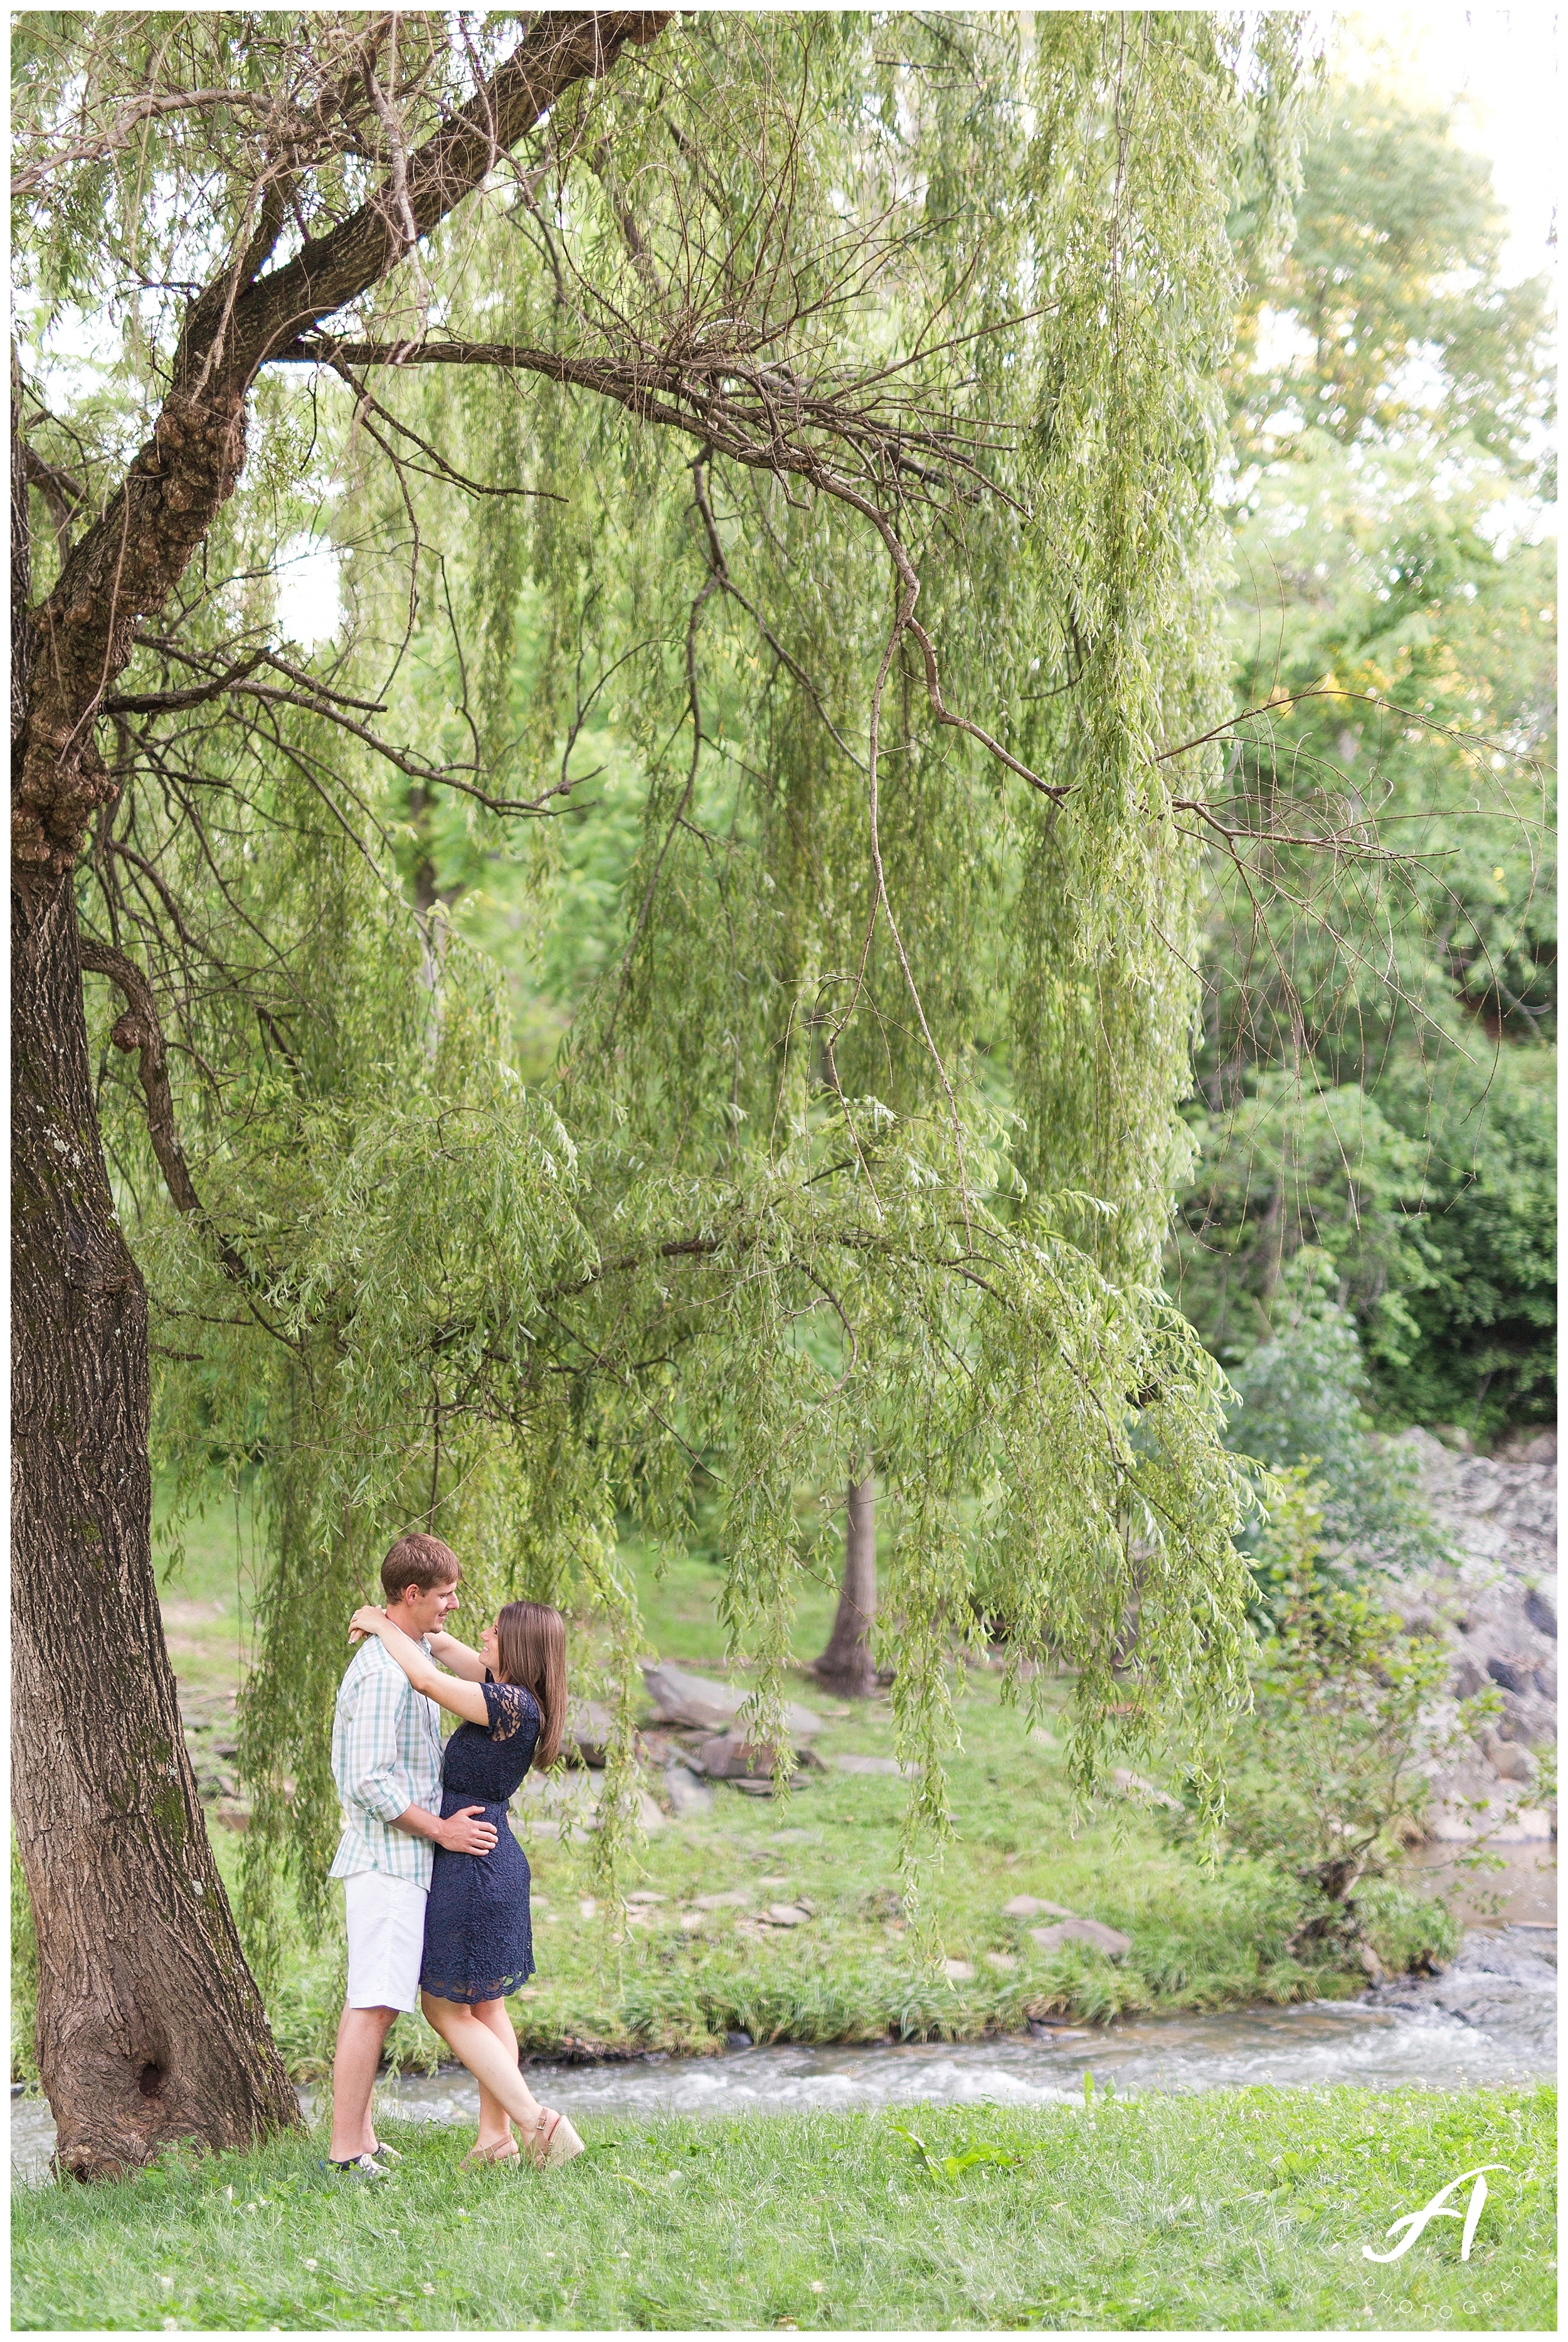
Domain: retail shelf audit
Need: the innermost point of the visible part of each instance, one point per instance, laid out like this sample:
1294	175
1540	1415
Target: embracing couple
435	1884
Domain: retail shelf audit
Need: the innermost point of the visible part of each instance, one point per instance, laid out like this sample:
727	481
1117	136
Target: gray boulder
731	1756
681	1698
687	1794
1512	1671
1109	1940
1541	1449
587	1733
1148	1793
784	1914
1541	1610
1509	1758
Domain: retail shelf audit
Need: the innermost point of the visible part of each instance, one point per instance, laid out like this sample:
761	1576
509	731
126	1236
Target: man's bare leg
360	2033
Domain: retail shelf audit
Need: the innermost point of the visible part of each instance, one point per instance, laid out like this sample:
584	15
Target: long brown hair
531	1646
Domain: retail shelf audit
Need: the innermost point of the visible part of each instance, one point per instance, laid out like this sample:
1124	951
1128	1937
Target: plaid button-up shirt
385	1756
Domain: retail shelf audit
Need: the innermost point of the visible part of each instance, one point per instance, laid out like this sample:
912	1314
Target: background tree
1378	1062
848	1665
805	404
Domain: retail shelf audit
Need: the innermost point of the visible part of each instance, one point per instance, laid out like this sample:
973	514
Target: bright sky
1503	64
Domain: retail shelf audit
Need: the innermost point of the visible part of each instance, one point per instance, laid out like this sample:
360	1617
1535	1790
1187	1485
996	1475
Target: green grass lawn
206	1594
1242	2209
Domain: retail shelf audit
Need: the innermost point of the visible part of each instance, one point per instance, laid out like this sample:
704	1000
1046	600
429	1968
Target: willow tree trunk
150	2028
846	1666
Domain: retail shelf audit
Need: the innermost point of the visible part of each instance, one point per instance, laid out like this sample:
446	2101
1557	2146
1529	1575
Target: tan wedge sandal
509	2153
554	2142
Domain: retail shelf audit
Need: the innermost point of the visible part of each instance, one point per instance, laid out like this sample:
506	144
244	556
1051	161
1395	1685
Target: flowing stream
1490	2017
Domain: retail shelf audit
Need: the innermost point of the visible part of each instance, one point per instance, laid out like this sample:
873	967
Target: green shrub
1302	1400
1325	1773
1486	1312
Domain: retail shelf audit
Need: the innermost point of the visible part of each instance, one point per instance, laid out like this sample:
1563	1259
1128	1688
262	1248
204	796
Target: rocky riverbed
1494	1601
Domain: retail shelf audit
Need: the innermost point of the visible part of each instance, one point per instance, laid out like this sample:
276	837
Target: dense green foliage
1242	2210
1375	1077
865	1134
1485	1315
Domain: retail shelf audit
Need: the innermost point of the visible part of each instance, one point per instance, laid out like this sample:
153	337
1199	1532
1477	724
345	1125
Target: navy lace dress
478	1939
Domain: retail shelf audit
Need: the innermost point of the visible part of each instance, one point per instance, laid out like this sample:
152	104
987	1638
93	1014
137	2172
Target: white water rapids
1491	2018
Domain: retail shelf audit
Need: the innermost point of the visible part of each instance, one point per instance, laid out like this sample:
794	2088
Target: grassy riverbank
673	1975
683	1970
1244	2209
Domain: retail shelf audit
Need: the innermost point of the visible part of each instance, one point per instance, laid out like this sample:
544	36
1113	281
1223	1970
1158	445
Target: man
386	1762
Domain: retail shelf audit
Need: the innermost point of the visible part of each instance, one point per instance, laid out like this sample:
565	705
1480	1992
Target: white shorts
385	1940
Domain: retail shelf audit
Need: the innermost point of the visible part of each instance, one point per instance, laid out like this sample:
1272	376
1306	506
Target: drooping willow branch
765	418
779	429
138	1027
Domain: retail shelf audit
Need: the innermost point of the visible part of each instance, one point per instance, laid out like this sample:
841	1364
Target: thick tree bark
150	2027
846	1666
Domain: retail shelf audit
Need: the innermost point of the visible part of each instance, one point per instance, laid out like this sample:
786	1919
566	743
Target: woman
478	1943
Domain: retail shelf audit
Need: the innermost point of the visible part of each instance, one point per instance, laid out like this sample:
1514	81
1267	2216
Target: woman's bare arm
465	1699
469	1665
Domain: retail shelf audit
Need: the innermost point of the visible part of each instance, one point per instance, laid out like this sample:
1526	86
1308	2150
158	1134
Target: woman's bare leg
495	2122
495	2067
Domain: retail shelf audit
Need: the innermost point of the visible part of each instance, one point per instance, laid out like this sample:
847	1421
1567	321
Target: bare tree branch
138	1028
124	566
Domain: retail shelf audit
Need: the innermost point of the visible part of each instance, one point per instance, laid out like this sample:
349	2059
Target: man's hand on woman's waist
459	1832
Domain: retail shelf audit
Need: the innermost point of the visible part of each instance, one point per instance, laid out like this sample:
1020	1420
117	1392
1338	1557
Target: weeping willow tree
802	430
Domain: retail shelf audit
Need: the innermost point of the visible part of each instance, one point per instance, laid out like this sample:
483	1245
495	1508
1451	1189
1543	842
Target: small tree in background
848	1664
1302	1407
